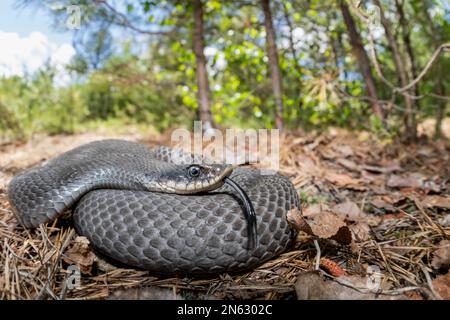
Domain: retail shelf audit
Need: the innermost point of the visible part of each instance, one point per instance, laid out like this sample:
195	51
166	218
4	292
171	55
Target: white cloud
21	55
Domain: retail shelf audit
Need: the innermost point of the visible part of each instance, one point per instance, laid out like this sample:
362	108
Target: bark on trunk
363	60
274	64
411	125
203	93
442	104
409	118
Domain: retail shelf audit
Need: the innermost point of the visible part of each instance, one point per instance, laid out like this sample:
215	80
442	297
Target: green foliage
321	79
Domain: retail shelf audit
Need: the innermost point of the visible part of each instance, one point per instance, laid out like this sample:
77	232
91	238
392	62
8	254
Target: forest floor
391	199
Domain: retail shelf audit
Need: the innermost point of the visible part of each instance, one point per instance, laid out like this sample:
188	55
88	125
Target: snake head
188	179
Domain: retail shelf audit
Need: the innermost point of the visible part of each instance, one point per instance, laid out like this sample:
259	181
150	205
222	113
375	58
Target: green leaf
146	6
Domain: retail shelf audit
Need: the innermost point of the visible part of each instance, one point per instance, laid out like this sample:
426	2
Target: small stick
316	244
436	296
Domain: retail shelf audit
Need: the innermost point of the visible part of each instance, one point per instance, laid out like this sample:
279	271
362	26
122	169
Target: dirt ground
379	213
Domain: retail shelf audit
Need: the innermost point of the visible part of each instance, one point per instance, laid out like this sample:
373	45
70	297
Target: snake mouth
249	213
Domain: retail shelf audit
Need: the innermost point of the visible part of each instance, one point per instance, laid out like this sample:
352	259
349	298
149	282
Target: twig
393	292
433	58
377	66
386	263
427	217
436	296
127	23
316	244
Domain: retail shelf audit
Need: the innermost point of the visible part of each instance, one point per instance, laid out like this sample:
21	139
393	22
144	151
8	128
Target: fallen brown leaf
436	201
381	204
411	181
442	286
343	149
441	257
360	230
81	255
313	286
325	224
318	221
296	221
445	220
315	209
349	210
390	216
329	225
348	164
388	169
345	181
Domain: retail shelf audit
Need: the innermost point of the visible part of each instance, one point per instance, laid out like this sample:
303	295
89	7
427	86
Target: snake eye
194	171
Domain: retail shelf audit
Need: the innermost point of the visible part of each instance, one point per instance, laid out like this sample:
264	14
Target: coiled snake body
126	202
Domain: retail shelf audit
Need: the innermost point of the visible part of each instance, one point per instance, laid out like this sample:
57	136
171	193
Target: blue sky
28	42
26	20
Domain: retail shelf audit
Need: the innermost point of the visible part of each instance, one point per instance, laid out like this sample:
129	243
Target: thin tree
411	129
363	59
400	70
435	36
273	62
203	93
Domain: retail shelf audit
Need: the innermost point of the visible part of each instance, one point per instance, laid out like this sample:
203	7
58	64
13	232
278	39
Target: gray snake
116	190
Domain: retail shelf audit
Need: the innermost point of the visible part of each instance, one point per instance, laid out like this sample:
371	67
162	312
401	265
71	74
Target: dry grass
32	264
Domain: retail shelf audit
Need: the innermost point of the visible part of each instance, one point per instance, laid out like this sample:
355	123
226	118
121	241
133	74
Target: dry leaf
441	257
314	209
431	185
442	286
410	181
296	221
344	150
343	235
436	201
349	210
445	220
312	286
307	165
381	204
348	164
81	255
389	169
344	181
360	230
329	225
391	216
321	222
325	224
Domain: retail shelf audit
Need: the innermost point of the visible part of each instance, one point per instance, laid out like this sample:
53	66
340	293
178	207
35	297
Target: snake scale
125	200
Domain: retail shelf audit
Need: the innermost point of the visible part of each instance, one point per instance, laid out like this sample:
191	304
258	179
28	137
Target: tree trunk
203	93
274	64
399	67
363	60
411	128
440	111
